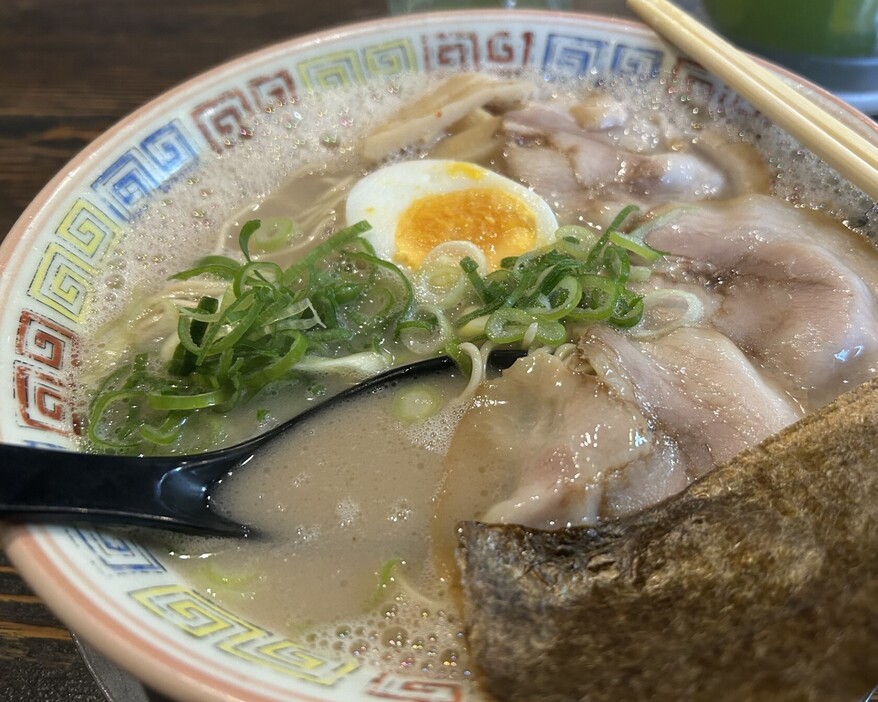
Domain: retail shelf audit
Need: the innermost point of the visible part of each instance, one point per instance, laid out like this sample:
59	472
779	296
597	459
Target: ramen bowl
115	591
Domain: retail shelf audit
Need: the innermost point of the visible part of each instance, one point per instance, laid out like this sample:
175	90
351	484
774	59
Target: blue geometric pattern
45	444
135	175
169	150
116	555
125	183
637	61
572	56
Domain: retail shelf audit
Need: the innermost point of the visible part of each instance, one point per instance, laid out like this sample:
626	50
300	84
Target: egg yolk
498	223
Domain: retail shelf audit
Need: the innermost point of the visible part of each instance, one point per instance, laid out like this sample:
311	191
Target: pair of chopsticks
851	154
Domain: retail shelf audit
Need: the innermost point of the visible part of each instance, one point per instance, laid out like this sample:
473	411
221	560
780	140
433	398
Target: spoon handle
48	485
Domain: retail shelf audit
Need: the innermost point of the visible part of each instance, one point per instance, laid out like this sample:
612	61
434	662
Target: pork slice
546	437
537	120
594	163
798	291
697	386
545	170
558	447
598	162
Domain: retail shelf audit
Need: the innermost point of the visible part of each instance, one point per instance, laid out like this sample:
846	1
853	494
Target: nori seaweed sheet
758	582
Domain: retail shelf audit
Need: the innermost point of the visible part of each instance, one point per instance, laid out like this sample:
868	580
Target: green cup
832	42
820	27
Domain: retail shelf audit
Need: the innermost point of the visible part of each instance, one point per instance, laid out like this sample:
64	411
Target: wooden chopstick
851	154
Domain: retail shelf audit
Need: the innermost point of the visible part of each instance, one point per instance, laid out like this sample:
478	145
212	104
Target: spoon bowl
165	492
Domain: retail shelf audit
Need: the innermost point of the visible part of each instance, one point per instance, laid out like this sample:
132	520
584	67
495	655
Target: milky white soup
344	503
762	308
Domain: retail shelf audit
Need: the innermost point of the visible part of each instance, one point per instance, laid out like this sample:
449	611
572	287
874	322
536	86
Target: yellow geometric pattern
204	619
352	67
88	230
63	281
390	58
341	68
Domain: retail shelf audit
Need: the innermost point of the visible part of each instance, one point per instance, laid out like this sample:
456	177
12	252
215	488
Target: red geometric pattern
46	342
49	350
504	48
272	90
42	399
501	49
392	687
222	119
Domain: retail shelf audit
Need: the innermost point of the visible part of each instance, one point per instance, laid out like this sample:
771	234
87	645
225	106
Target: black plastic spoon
166	492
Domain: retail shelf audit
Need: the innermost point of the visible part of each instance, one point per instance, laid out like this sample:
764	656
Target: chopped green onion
282	366
218	266
550	333
323	314
599	297
416	402
167	432
636	246
172	402
334	243
273	233
582	278
688	308
427	332
247	231
190	330
333	310
562	300
629	309
385	577
575	241
508	325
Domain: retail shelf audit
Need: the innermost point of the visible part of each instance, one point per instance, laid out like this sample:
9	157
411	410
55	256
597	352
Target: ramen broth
345	503
354	496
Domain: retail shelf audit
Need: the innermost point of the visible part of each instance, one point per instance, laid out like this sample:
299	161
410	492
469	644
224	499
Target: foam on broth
317	135
343	527
346	501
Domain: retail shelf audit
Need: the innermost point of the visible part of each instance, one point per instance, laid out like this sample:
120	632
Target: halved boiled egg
414	206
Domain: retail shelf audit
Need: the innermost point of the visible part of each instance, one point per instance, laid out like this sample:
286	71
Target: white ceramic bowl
114	592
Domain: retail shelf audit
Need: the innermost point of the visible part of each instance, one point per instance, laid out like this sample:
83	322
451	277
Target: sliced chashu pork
558	447
696	386
596	162
543	437
797	289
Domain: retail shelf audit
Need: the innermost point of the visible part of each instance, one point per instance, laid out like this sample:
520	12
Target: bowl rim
38	207
28	547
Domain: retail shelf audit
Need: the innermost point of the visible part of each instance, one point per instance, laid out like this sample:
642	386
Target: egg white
383	196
